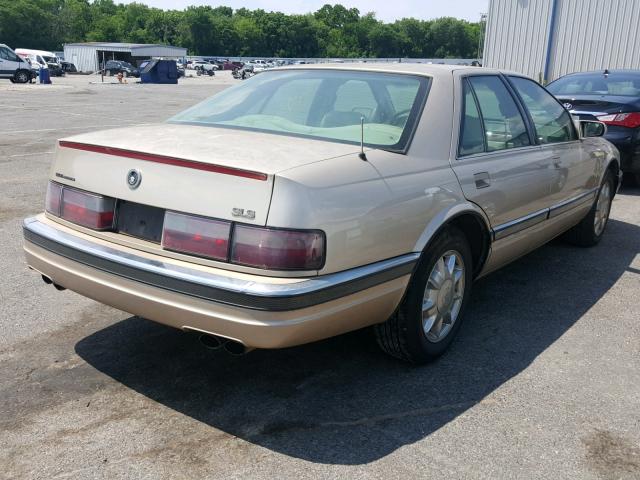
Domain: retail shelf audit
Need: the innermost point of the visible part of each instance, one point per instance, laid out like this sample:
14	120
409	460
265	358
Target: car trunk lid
590	106
219	173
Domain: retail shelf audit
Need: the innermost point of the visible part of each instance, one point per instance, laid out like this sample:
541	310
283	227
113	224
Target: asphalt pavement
542	383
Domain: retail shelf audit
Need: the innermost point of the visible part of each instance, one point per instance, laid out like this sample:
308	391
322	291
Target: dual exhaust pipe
213	342
48	281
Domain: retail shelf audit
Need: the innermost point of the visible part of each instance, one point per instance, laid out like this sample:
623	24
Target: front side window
504	127
322	104
552	122
6	54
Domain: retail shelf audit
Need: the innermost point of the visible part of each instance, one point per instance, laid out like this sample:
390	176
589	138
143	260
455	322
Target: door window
552	122
503	124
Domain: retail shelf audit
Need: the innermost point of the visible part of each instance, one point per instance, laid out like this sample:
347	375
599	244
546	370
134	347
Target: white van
43	59
13	67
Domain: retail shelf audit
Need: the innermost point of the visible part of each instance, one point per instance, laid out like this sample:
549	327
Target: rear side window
552	122
502	126
472	132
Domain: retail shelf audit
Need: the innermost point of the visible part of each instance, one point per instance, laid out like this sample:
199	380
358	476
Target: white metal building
87	57
546	39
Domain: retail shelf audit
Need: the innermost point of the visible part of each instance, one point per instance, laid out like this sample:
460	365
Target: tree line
332	31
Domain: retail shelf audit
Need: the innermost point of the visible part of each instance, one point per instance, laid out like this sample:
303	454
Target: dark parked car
113	67
612	97
68	67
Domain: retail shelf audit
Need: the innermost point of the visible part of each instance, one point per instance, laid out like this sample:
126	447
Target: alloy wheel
603	206
443	296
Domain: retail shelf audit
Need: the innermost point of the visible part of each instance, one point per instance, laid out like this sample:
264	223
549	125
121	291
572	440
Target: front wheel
430	315
21	76
589	231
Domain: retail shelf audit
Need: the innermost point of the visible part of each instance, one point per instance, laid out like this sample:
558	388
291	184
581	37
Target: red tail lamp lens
277	249
87	209
196	235
54	198
629	120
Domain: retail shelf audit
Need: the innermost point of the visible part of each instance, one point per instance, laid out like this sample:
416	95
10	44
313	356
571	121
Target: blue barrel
44	76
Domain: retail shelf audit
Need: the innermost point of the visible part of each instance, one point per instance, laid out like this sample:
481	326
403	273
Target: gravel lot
543	382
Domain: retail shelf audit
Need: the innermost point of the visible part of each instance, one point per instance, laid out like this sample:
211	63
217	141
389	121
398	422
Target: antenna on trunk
361	154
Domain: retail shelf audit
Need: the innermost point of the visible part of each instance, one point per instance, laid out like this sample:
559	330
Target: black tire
637	179
402	335
585	233
109	73
21	76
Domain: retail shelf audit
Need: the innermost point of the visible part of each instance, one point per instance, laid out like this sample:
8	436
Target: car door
498	163
573	167
9	63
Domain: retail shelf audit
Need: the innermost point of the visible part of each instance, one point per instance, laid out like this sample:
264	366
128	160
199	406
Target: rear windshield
322	104
597	84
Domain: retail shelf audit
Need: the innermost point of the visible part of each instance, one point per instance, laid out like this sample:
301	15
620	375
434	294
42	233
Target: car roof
601	72
397	67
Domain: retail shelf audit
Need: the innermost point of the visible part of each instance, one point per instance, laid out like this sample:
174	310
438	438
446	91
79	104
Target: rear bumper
257	311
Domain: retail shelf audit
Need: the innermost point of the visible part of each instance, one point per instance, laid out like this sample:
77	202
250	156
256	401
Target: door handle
482	179
556	161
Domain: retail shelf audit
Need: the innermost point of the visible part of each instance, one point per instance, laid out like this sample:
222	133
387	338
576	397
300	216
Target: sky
385	10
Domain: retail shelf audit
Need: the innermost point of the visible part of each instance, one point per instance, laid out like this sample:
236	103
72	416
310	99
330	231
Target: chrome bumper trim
251	294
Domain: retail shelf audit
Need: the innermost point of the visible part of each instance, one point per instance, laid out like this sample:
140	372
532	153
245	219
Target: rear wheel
430	315
590	230
21	76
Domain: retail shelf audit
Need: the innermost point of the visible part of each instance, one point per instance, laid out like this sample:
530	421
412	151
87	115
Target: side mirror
590	128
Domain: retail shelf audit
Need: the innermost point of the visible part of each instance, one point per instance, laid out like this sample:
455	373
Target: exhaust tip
47	280
60	288
235	348
211	342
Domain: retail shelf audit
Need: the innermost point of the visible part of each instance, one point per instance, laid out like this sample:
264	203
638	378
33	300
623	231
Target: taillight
629	120
277	249
83	208
266	248
54	198
196	235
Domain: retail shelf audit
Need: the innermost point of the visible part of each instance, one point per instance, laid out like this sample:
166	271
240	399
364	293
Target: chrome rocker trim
505	229
250	294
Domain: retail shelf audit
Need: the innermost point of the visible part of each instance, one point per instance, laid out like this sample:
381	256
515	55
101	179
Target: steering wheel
400	118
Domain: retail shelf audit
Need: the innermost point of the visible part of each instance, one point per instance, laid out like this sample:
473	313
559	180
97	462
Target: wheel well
478	236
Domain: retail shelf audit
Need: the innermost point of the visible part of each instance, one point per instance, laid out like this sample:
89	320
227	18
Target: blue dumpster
159	71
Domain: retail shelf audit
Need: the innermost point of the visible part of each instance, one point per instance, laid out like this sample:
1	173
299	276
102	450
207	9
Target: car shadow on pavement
341	401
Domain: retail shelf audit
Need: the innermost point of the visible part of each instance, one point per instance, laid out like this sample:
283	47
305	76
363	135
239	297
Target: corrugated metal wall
85	57
588	35
516	35
596	34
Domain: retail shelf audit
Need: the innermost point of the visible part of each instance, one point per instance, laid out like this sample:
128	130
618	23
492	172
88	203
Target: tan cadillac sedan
343	197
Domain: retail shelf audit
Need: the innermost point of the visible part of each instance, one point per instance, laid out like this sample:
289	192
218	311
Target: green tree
331	31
